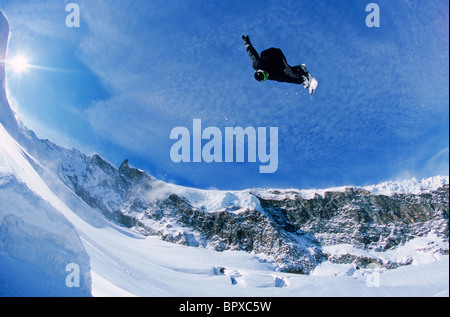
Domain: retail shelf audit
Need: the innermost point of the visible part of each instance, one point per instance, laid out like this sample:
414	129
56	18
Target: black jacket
274	63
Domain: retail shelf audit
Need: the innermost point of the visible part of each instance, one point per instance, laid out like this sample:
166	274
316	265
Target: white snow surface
405	186
121	262
216	200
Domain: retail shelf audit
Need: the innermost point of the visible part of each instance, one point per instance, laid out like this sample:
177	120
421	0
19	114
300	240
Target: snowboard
312	86
310	82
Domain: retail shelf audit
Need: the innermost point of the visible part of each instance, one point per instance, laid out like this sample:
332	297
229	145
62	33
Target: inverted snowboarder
272	65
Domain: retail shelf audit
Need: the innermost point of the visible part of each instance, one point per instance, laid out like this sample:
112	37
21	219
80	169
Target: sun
19	64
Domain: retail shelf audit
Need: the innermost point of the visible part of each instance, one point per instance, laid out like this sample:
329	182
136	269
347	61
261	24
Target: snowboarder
272	65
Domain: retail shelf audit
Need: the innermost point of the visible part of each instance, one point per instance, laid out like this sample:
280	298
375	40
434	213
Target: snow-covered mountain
130	234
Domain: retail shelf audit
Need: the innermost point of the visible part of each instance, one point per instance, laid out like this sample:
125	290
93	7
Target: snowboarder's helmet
261	75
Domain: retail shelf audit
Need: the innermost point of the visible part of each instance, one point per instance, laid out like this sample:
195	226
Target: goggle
265	74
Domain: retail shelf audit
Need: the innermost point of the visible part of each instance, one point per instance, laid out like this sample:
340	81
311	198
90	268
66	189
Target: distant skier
272	65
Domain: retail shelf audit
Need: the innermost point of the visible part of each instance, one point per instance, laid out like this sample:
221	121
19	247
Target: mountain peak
134	174
124	165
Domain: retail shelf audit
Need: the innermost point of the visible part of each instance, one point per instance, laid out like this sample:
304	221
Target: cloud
166	73
438	164
166	63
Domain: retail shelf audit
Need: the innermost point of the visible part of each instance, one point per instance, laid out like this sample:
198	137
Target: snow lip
219	200
411	186
389	188
213	200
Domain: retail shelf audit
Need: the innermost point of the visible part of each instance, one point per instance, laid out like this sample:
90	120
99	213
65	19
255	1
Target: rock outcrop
286	227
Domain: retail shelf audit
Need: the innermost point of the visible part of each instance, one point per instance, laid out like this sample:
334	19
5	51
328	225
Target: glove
246	40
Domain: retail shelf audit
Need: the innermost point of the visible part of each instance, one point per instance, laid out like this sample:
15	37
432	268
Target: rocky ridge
286	227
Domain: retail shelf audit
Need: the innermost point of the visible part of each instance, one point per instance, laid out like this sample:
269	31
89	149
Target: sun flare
19	64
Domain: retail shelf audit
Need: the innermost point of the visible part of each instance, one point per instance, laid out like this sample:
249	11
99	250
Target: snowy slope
34	234
44	226
123	263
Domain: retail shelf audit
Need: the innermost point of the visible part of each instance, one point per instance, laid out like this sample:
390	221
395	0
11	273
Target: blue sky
135	70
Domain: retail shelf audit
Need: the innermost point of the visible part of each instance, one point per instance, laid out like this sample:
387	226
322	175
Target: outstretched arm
254	56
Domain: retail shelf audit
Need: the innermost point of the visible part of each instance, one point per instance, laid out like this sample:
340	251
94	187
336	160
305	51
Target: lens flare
19	64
